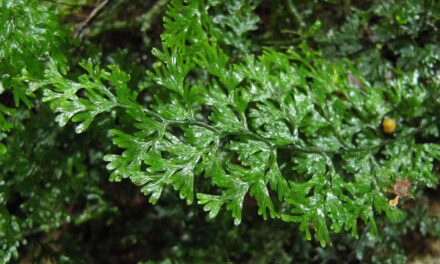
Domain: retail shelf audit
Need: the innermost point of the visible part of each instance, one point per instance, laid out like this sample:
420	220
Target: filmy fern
29	33
298	133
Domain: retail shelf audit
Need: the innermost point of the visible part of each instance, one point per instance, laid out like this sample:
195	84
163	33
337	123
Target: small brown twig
79	33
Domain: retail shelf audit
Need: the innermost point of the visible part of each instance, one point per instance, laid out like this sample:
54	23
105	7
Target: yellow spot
394	201
389	125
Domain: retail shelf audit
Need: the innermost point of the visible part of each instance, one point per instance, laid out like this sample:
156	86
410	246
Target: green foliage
386	36
40	174
291	133
46	186
29	35
226	122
